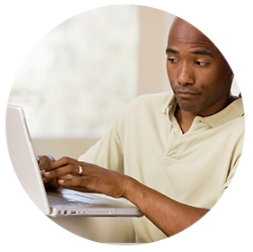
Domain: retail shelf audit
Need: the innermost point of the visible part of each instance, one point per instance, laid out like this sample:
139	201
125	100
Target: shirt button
177	129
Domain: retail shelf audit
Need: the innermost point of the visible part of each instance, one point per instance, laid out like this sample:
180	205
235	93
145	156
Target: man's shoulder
146	105
153	100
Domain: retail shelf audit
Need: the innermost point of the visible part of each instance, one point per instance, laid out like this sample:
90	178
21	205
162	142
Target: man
170	154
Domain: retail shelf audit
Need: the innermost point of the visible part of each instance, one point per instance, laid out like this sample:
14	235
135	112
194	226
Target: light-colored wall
71	147
154	30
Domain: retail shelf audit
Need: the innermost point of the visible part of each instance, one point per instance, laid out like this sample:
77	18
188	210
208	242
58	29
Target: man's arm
168	215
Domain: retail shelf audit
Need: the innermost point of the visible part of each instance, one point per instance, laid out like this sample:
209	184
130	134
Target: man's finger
43	162
68	169
62	162
74	182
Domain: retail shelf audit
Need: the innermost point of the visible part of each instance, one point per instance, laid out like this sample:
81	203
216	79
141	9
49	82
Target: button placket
175	148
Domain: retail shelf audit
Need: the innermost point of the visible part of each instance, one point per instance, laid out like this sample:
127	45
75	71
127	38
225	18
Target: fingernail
47	173
61	181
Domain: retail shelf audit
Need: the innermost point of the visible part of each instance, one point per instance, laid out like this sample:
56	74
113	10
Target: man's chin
187	106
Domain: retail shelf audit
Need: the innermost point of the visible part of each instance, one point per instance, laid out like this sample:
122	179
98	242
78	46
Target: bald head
182	30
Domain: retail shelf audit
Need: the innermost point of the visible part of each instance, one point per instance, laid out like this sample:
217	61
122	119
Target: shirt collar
169	105
232	111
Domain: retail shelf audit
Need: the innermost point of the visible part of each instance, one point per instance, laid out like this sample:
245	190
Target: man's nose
185	75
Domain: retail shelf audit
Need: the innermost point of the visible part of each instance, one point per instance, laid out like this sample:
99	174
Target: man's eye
200	63
171	60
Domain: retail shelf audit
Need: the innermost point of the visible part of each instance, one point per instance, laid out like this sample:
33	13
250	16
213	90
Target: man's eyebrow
202	52
169	50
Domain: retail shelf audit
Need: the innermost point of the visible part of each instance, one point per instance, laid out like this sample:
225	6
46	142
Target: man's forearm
168	215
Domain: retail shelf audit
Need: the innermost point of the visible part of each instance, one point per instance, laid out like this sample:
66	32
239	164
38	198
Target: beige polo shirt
146	142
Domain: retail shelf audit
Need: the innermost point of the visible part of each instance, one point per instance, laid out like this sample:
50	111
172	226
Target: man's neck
184	119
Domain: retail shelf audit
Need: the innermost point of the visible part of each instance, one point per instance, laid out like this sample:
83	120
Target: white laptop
63	202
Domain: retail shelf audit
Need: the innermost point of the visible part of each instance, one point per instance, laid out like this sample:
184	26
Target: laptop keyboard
56	200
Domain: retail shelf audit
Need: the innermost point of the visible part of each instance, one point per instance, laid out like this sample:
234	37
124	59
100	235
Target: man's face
199	75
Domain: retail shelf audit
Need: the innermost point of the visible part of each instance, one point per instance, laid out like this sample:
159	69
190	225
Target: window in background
80	74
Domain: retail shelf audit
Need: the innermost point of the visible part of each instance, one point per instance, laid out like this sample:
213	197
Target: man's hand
45	163
93	178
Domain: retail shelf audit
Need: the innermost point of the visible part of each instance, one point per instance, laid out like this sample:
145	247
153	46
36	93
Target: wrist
133	191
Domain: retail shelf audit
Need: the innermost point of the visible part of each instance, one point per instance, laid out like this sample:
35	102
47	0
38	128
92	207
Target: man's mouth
185	94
